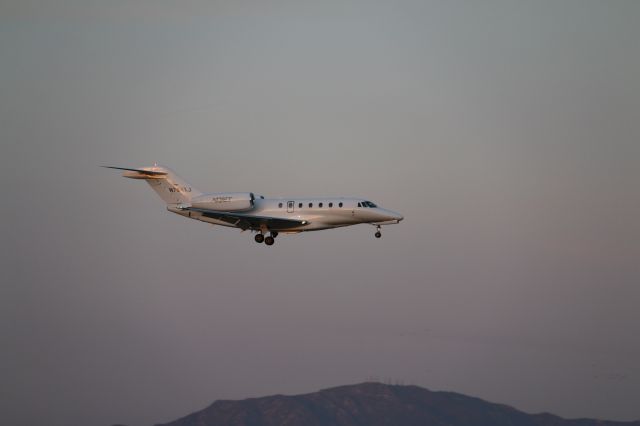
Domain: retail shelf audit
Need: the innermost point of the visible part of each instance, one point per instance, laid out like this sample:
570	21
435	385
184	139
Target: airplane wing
245	221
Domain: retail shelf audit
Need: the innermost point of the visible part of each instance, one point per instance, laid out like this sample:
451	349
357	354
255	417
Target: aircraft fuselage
318	213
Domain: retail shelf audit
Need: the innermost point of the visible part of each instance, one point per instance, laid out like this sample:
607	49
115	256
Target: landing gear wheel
274	234
259	238
378	234
269	241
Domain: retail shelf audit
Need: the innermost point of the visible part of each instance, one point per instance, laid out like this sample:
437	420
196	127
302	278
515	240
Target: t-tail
168	185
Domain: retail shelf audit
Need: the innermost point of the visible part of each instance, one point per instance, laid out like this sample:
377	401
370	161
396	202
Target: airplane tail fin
168	185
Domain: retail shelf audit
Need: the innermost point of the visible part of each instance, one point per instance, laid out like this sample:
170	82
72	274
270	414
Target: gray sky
506	132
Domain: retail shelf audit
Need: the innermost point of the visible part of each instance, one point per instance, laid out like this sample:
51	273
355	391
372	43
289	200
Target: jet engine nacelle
225	201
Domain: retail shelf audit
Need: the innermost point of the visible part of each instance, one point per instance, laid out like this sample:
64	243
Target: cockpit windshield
368	204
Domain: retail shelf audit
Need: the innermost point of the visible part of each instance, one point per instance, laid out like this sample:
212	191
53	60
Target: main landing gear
378	234
268	240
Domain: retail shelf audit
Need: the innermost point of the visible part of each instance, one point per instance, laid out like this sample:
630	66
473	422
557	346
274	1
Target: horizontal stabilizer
146	172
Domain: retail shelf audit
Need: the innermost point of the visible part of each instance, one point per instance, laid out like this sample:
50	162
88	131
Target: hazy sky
506	132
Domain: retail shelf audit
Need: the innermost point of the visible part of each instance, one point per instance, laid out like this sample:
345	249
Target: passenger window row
320	205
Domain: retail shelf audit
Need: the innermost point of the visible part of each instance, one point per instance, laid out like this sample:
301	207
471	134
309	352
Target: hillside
373	404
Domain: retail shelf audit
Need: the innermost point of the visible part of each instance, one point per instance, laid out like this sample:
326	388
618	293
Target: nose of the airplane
391	215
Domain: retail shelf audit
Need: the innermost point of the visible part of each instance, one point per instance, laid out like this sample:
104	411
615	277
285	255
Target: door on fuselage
290	205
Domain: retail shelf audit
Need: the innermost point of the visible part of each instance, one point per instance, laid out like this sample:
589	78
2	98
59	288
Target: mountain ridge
373	404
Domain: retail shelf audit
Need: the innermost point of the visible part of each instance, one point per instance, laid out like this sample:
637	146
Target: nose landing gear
378	234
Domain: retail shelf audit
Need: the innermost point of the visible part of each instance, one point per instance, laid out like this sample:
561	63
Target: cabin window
280	205
310	205
330	204
340	204
299	205
320	205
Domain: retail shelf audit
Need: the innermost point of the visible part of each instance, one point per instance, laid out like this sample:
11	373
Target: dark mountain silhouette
373	404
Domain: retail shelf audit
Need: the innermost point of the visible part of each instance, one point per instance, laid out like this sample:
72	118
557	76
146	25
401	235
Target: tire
378	234
259	238
269	241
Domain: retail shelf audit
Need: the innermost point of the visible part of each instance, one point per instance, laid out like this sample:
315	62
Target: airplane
267	217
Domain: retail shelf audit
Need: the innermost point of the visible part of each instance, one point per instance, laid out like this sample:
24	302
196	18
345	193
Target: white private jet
266	216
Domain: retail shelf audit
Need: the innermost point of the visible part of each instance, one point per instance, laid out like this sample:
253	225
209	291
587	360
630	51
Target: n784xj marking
266	216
